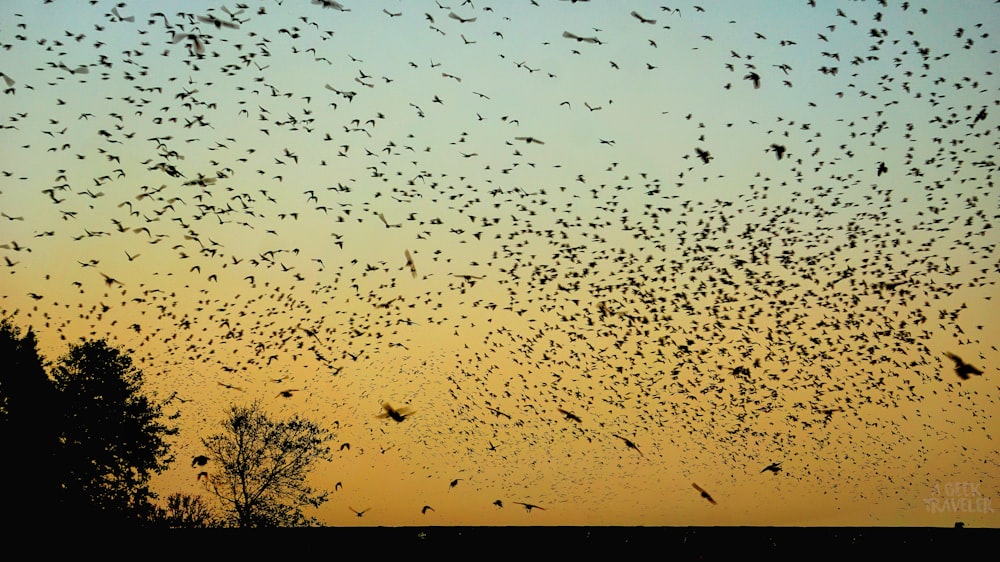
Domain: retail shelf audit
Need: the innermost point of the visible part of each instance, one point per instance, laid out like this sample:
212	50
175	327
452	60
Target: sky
729	235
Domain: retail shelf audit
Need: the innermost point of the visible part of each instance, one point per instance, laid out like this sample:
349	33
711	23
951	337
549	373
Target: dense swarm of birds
585	242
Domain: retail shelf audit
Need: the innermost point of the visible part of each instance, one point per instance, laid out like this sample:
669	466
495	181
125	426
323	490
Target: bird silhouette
570	415
630	444
397	415
199	460
359	513
774	467
529	506
963	369
704	494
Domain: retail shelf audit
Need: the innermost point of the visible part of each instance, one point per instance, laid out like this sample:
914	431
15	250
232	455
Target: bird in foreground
528	506
396	414
411	265
630	444
199	460
704	494
703	154
570	415
641	19
962	369
779	150
774	467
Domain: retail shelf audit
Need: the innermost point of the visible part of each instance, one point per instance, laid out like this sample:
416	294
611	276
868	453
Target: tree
28	430
261	468
185	512
113	437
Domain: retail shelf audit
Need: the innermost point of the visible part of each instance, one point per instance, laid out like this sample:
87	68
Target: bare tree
260	468
185	512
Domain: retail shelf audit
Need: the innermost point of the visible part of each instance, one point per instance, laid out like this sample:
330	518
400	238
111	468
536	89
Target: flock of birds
573	255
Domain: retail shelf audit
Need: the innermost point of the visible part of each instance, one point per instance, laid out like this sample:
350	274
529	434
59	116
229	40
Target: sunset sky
730	234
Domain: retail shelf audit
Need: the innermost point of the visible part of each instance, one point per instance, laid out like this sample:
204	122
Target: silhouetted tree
28	428
261	467
185	512
113	437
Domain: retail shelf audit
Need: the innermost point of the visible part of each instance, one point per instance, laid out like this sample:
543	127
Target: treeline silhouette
82	440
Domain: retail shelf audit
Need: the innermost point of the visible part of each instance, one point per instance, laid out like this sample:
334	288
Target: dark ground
490	543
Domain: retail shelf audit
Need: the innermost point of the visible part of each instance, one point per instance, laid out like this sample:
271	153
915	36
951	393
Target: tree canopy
114	438
28	429
261	468
93	437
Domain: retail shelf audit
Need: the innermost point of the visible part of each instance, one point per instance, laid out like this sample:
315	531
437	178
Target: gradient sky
240	215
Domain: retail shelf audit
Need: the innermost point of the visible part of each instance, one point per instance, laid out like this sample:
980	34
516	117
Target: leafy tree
28	430
113	437
261	468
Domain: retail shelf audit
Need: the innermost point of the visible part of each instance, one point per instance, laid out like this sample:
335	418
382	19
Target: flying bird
529	506
963	369
571	416
704	155
455	16
411	265
397	415
774	467
704	494
642	19
630	444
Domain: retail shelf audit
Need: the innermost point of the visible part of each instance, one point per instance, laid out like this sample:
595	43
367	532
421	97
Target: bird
529	506
642	19
704	494
774	467
570	415
359	513
199	460
963	369
287	393
412	266
397	415
630	444
425	509
455	16
453	483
